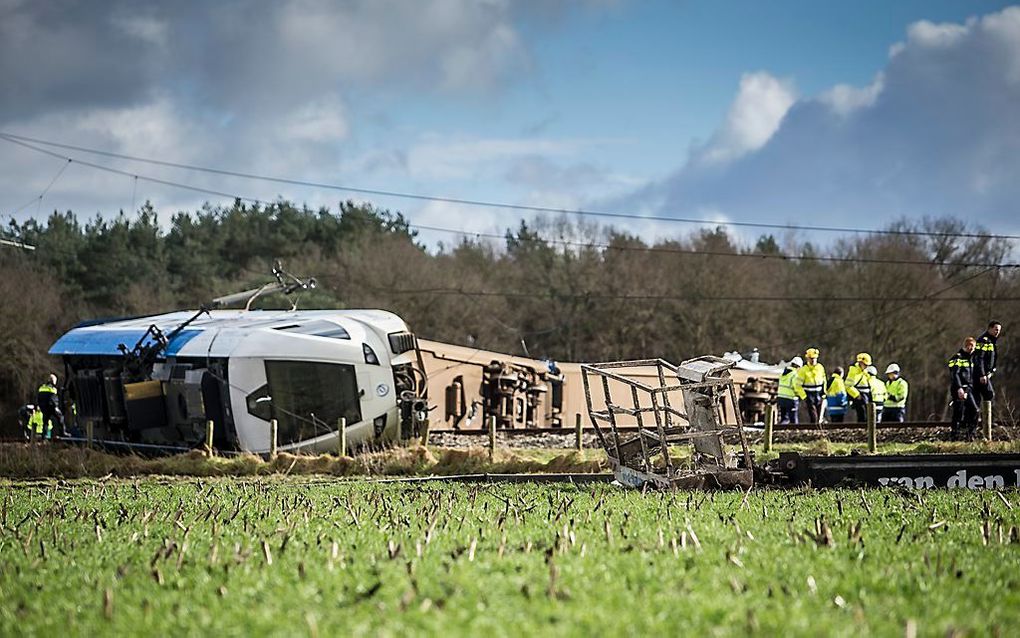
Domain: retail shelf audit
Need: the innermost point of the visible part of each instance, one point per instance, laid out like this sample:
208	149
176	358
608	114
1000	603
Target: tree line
550	287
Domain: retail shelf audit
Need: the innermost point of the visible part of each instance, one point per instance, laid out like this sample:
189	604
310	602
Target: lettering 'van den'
961	480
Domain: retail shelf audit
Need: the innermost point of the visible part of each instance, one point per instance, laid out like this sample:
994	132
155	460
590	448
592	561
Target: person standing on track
965	407
896	390
877	392
49	404
790	392
811	378
858	386
984	362
835	397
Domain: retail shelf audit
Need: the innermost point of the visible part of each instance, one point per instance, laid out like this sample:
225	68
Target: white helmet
796	362
872	371
893	368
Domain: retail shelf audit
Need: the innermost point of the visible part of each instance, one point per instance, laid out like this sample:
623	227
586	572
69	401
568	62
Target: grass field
324	557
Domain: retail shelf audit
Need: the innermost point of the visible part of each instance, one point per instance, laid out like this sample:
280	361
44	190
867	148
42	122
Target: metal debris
670	405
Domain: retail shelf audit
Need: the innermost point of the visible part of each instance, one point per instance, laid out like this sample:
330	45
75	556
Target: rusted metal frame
713	382
631	363
591	411
662	434
618	377
740	426
612	417
640	423
676	437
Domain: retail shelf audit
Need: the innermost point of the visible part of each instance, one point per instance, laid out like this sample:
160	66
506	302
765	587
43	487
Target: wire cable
493	204
577	244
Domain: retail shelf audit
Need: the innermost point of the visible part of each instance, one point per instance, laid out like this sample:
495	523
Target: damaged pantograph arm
668	406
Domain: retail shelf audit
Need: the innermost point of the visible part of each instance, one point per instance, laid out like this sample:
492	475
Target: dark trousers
788	410
836	418
984	391
51	419
894	415
860	405
813	403
965	412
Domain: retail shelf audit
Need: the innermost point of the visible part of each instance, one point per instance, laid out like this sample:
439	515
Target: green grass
291	556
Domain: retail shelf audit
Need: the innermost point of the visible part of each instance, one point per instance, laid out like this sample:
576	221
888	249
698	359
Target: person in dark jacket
984	362
961	390
49	403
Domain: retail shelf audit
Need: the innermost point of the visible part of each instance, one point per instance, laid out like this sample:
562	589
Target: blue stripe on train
83	341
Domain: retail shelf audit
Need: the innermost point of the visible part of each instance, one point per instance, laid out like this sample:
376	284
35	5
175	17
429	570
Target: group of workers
42	418
829	398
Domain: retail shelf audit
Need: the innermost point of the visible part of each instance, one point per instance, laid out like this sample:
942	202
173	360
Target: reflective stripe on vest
46	389
897	393
786	383
959	363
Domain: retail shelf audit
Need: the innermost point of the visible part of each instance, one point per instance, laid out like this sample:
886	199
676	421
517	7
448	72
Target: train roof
219	331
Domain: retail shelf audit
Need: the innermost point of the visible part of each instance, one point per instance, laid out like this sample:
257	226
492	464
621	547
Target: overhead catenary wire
11	137
561	242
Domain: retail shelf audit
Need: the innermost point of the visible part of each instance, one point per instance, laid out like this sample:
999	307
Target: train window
309	397
258	403
318	328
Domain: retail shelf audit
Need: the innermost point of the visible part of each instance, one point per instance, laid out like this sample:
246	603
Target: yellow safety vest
836	386
47	389
877	391
858	382
35	422
811	377
787	385
897	390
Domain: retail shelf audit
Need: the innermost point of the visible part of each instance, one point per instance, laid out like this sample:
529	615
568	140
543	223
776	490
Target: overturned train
158	380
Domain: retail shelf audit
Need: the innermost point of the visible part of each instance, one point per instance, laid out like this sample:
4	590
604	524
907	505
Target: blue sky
710	109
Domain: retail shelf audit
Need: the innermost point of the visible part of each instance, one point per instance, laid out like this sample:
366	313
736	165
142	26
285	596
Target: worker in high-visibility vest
877	392
858	386
811	377
835	397
790	392
28	415
896	395
48	402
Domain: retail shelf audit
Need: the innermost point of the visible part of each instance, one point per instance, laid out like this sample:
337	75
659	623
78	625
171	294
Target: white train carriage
159	379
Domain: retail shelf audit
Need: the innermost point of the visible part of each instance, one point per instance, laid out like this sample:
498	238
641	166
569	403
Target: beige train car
455	381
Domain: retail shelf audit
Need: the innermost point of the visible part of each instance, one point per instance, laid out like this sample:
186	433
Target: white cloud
320	121
753	118
937	133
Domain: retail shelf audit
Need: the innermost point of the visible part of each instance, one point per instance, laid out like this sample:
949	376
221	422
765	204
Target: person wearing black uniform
49	404
965	407
984	362
25	420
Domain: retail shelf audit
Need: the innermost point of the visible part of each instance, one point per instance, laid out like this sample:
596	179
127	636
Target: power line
116	171
713	253
594	296
493	204
604	246
934	296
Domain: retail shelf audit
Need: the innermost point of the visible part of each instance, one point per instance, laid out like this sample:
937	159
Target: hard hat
812	353
864	358
871	370
796	362
893	368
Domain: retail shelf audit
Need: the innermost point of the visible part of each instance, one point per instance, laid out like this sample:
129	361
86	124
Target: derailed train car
158	380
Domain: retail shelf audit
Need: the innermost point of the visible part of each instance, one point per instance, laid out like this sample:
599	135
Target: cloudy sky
794	111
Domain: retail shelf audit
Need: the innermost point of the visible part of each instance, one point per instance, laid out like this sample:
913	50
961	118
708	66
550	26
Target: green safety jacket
896	391
788	384
877	391
35	422
811	378
858	382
